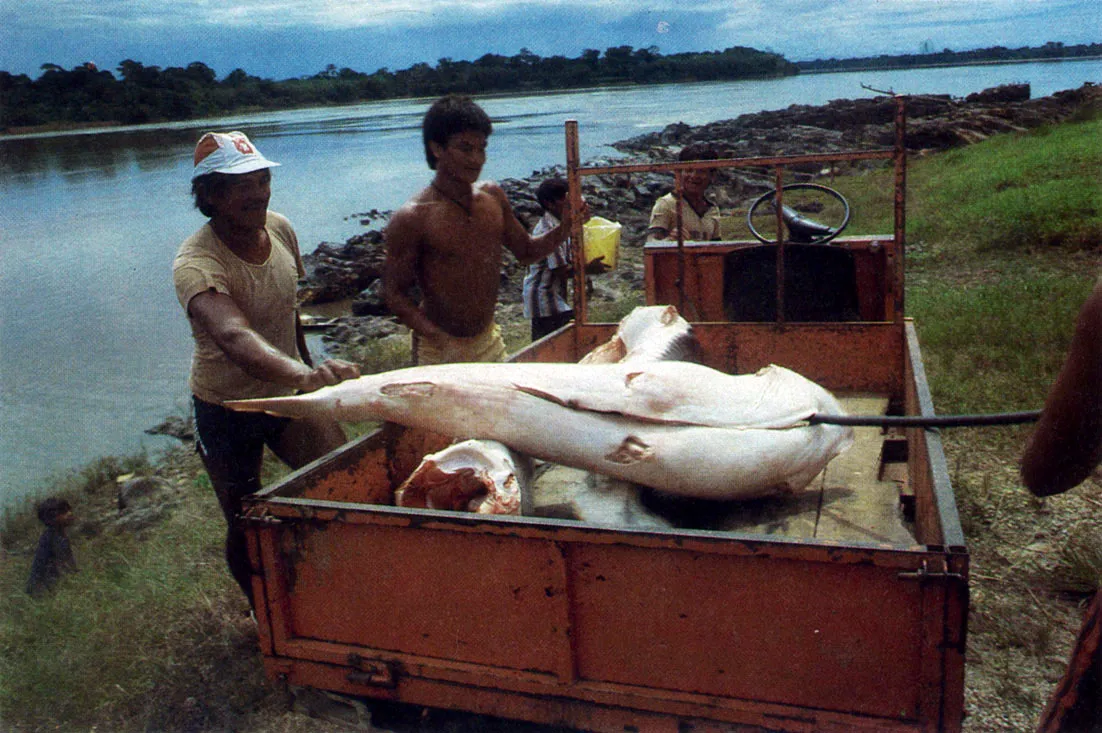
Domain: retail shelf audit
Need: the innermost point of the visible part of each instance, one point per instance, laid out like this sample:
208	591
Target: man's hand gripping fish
678	427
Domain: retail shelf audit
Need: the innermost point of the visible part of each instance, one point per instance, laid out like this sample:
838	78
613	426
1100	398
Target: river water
94	348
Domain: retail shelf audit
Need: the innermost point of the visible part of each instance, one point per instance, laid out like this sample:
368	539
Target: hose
927	421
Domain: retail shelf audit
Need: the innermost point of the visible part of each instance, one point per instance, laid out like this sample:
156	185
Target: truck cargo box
842	609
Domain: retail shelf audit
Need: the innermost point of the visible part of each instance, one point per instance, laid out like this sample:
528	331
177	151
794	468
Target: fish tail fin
294	406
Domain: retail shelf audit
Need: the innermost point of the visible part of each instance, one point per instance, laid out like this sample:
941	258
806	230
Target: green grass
95	647
1027	191
996	238
95	477
995	346
614	311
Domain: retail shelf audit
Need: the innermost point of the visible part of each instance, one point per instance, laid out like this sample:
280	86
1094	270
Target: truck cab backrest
820	283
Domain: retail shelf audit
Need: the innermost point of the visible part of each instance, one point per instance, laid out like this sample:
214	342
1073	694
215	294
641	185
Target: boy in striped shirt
545	290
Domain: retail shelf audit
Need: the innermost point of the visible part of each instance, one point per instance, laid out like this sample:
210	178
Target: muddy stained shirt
700	228
265	293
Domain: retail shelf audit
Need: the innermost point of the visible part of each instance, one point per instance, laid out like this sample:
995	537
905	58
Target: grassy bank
1003	246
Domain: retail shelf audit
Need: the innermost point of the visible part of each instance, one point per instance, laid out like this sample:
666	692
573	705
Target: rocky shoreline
350	271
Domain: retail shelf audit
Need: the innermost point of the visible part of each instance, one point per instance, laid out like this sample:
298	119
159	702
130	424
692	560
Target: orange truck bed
607	629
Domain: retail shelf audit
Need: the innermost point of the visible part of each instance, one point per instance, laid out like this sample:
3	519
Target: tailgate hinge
927	573
262	517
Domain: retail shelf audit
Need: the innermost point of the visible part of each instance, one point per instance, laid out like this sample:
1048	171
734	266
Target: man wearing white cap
237	280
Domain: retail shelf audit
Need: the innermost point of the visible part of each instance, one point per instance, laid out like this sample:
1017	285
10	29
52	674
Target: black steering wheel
800	202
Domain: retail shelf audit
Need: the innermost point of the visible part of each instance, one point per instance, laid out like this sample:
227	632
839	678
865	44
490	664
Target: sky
280	39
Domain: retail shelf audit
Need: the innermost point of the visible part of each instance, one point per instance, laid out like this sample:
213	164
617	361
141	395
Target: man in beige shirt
699	216
236	278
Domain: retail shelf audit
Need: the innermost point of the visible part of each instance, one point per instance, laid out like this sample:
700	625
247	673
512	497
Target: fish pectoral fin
631	450
542	395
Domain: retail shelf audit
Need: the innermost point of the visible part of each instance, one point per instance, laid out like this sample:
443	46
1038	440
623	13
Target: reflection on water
102	154
94	348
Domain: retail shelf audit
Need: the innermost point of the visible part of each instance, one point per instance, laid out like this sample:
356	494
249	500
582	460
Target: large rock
933	122
175	426
337	272
144	501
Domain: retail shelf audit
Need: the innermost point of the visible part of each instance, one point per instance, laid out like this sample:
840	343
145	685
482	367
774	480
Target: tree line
86	94
947	57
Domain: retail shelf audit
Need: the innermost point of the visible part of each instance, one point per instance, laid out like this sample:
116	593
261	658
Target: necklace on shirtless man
457	202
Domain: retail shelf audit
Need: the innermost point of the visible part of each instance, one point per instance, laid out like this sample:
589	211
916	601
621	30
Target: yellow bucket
601	238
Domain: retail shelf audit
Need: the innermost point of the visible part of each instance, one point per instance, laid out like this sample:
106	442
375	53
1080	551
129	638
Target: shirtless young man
448	240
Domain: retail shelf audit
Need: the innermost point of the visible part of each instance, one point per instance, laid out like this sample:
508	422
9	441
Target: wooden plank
789	516
561	492
857	505
569	493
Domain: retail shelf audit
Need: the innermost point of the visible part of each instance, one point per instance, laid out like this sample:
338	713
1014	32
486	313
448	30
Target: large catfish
675	426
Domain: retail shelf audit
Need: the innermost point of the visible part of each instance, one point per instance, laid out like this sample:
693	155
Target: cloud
315	14
283	38
813	21
805	28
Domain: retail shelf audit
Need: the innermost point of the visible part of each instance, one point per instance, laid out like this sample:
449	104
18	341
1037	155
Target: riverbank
991	62
184	656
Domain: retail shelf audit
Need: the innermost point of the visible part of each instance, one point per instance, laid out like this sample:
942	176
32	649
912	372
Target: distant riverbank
993	62
151	94
363	92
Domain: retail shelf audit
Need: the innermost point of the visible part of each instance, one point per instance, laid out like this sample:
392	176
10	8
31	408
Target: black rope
927	421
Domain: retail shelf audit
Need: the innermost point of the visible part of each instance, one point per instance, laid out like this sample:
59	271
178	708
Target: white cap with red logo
227	152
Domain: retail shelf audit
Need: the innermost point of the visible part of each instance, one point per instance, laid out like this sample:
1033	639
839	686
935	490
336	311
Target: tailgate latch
372	672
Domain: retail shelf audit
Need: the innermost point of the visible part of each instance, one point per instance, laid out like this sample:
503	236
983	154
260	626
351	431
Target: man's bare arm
300	339
219	316
526	248
1066	445
403	246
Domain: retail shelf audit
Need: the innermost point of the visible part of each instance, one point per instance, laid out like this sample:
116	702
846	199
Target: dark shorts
232	444
543	325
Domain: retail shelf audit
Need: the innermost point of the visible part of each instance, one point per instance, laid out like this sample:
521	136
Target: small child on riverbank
54	555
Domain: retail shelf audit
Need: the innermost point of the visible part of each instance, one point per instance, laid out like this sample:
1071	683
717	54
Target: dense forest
86	94
947	57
